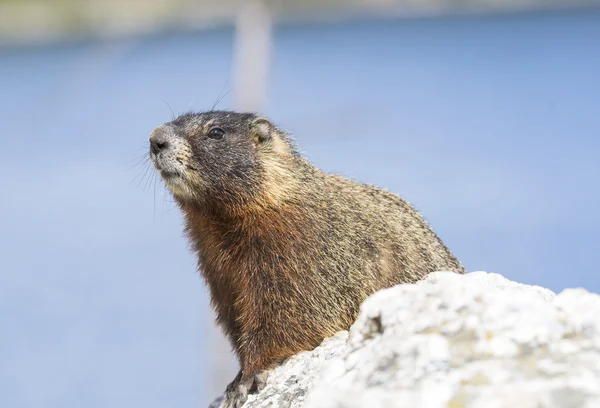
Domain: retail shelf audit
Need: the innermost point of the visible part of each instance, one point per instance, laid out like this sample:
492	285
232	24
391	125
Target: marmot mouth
169	175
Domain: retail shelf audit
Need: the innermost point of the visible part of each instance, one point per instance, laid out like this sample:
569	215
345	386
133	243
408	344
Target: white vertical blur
252	54
250	71
223	366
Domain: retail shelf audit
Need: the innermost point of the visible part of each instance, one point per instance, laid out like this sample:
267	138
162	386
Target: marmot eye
216	133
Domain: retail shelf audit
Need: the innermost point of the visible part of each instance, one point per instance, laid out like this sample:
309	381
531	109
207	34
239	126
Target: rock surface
475	340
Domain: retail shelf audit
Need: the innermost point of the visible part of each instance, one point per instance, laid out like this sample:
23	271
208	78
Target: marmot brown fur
288	251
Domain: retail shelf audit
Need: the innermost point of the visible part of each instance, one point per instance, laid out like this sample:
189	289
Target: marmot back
289	252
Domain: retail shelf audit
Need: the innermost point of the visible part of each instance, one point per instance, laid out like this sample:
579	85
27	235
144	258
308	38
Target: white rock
475	340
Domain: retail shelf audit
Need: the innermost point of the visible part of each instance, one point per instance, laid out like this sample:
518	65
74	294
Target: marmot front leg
238	390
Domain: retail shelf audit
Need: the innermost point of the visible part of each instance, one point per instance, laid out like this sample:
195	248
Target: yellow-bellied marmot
288	251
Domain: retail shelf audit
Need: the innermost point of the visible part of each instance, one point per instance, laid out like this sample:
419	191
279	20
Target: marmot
288	251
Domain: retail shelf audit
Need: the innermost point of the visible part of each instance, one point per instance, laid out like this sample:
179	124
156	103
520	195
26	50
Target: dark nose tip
158	140
156	146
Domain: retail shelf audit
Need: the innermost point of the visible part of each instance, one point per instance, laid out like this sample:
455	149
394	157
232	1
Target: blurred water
489	125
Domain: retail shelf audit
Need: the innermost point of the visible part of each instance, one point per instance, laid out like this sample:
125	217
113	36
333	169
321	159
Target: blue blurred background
488	124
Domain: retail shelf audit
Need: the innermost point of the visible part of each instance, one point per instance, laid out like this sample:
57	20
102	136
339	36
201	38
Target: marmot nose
158	140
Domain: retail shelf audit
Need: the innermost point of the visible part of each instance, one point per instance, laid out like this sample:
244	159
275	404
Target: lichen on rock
450	340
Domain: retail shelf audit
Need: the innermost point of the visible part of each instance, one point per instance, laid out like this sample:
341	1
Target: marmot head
219	157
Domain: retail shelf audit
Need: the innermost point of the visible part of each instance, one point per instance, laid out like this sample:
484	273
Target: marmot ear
261	130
